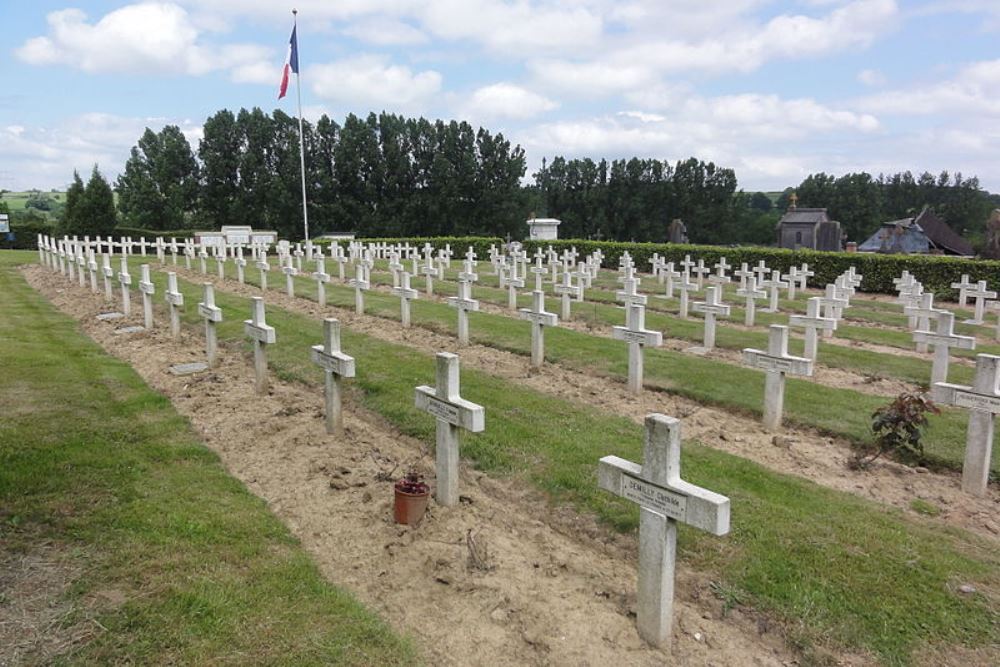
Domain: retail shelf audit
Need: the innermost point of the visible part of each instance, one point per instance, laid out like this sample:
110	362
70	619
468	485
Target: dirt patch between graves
801	452
548	587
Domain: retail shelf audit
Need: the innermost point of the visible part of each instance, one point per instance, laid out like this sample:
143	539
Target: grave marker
336	365
453	412
982	400
147	289
943	338
360	283
322	278
212	315
125	282
539	319
664	500
263	335
812	322
980	294
777	363
751	294
464	303
290	272
405	294
175	301
638	337
711	307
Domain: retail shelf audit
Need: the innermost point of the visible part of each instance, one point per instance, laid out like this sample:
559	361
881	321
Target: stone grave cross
453	412
685	287
565	290
743	273
257	329
463	303
429	270
751	294
212	315
963	287
322	278
777	362
360	283
147	289
405	294
980	294
628	294
175	301
638	337
668	275
922	311
804	275
774	285
125	282
664	500
108	275
290	271
943	338
712	307
336	365
513	283
539	319
812	322
263	267
982	400
240	263
700	270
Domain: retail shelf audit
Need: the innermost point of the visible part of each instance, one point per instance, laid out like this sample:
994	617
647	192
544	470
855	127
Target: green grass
93	460
841	412
838	570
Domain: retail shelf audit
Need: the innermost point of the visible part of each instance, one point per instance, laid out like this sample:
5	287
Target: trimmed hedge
937	273
26	234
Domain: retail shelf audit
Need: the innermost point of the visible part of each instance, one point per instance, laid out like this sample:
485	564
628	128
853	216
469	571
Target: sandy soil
553	588
800	452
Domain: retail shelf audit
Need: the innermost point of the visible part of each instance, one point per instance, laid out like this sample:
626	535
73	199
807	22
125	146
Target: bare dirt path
558	589
800	452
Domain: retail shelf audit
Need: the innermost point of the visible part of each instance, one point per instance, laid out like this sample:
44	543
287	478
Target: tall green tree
159	187
71	220
95	210
219	151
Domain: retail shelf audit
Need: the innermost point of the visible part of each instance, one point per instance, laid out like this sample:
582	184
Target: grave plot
830	409
559	424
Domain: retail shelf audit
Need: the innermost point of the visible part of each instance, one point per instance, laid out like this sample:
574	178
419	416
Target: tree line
383	175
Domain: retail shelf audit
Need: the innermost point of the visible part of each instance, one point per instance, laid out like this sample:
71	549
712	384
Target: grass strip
94	460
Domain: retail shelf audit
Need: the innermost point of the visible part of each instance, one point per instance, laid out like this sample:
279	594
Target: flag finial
295	12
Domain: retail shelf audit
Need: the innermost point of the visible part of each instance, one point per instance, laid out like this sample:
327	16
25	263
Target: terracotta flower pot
410	507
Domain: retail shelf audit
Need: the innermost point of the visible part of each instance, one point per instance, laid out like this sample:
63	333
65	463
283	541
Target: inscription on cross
262	334
212	315
453	412
982	400
638	337
664	500
778	363
336	365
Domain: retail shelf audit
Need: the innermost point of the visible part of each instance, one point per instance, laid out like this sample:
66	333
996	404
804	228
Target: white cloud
972	91
386	32
506	100
140	38
45	156
871	77
370	82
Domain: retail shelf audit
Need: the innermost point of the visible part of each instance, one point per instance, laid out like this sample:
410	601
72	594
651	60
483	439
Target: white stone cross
712	306
833	306
220	262
212	315
92	269
774	284
539	269
792	278
453	412
360	283
685	287
125	282
147	289
921	312
565	290
777	362
762	272
290	271
982	400
81	266
668	274
980	294
539	319
638	337
463	303
322	278
804	275
812	322
336	365
429	270
700	270
175	301
203	260
943	338
263	267
108	275
664	500
468	273
514	282
743	273
405	294
628	294
262	335
963	287
240	263
686	266
751	294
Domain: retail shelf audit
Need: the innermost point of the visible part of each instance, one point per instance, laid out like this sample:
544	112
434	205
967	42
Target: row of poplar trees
384	175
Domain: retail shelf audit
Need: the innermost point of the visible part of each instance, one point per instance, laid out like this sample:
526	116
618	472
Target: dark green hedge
26	234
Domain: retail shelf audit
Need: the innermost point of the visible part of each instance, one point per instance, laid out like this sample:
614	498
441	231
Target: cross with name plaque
212	315
453	413
336	365
108	274
175	301
778	363
812	322
147	289
751	294
262	334
942	339
405	294
712	307
463	303
982	400
125	282
638	337
664	500
980	294
539	319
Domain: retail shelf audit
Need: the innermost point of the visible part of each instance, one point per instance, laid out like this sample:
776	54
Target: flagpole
302	147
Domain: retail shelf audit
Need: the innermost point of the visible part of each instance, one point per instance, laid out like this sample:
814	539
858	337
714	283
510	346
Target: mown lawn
838	571
95	462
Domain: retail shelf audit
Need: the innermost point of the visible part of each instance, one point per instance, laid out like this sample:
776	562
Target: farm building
925	233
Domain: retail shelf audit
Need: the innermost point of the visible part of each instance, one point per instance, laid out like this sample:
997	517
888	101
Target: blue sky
774	89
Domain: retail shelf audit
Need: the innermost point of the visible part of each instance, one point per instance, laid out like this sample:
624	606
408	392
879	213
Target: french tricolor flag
291	64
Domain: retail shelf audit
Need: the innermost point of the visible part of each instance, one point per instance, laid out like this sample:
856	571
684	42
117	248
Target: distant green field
17	201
